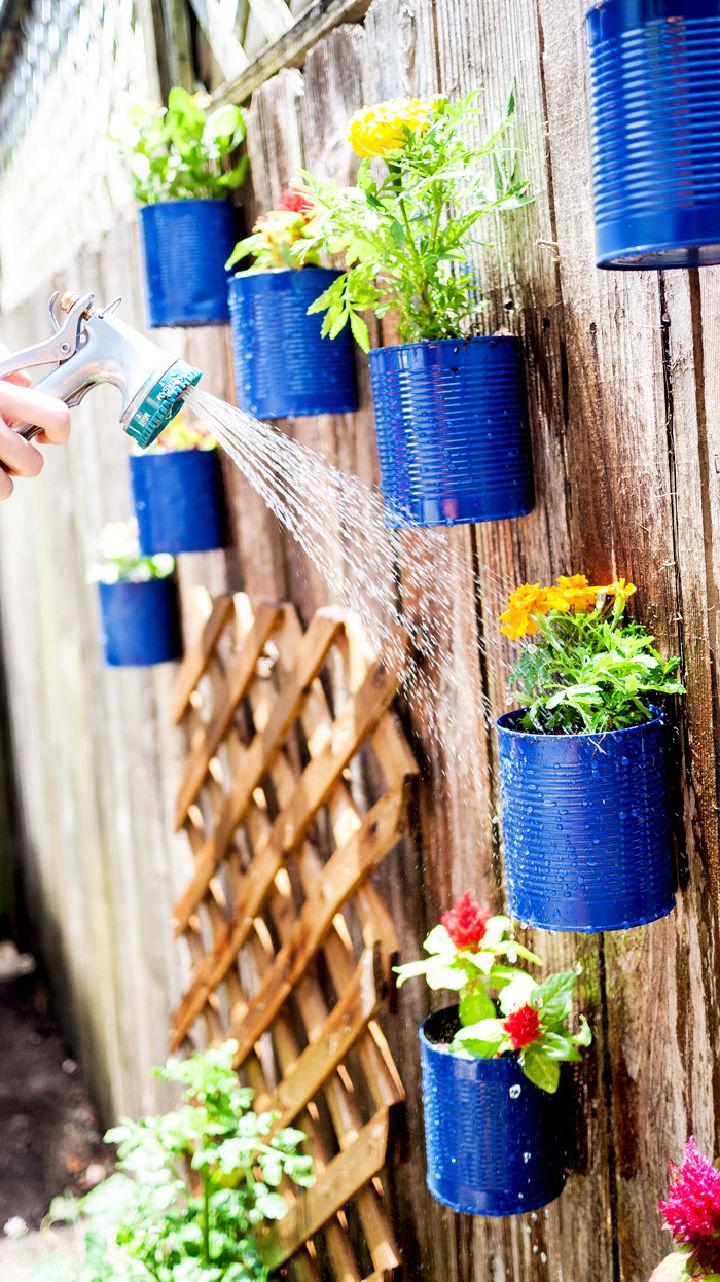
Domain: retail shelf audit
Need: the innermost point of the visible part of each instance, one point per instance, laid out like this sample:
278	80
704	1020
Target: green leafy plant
588	670
121	560
178	152
283	238
405	235
193	1187
502	1009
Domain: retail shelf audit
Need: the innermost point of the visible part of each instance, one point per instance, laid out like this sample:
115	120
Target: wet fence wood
624	387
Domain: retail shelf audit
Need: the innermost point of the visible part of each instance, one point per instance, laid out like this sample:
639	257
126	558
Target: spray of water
339	522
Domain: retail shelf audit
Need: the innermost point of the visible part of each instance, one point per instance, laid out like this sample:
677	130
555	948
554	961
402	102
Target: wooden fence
624	384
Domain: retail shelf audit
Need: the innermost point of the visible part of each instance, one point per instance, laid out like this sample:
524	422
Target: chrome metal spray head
93	347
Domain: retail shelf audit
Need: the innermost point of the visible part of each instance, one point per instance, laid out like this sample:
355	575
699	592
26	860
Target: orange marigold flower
572	592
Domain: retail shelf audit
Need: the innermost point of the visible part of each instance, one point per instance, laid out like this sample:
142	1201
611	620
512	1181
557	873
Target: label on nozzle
162	403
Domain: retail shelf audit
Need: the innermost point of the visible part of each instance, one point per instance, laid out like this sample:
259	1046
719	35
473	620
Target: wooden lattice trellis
291	943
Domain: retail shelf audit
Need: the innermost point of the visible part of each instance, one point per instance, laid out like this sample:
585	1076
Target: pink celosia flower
692	1209
466	922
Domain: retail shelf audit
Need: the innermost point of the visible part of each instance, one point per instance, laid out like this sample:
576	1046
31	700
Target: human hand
21	403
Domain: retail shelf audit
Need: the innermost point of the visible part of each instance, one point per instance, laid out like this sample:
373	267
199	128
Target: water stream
339	522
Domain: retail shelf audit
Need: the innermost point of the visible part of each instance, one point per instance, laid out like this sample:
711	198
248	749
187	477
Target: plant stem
206	1219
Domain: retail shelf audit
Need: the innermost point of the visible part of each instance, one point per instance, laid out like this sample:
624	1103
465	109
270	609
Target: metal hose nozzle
95	347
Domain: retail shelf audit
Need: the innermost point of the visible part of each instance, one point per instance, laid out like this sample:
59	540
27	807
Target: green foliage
121	560
591	672
405	236
677	1268
177	152
491	988
281	238
193	1186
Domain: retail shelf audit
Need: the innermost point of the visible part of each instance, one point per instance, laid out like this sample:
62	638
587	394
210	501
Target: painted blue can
284	368
495	1143
587	826
178	501
186	244
140	623
451	430
655	127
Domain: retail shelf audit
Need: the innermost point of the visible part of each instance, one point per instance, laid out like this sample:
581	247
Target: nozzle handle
59	382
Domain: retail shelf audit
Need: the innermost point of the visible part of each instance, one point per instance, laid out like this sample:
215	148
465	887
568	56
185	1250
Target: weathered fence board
624	389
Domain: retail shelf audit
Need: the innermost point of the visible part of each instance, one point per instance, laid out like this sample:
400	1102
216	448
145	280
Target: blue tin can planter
587	826
178	501
655	124
284	368
140	623
451	431
496	1144
186	244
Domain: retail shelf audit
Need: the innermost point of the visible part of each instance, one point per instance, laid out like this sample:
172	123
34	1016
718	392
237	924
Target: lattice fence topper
291	943
61	185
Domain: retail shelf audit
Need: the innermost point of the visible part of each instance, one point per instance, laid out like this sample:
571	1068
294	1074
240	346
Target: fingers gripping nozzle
92	347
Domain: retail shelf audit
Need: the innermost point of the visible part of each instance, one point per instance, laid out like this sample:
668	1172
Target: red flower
466	922
523	1027
298	202
692	1210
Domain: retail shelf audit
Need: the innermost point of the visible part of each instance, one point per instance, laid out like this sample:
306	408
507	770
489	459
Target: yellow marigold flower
621	587
377	130
526	603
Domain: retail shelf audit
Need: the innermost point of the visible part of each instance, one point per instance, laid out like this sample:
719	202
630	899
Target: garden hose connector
92	347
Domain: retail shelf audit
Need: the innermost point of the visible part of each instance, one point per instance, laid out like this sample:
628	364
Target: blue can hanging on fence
140	623
178	501
655	126
496	1144
284	368
451	429
587	826
186	243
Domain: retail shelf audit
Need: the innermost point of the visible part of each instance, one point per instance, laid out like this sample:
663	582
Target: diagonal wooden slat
291	943
238	677
197	657
340	1031
341	1180
349	864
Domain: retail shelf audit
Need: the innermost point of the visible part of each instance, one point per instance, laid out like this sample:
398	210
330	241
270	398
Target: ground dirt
50	1142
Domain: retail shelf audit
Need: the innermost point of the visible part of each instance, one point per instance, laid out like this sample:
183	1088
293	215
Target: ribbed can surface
186	244
587	826
284	367
655	126
140	623
178	501
451	431
496	1144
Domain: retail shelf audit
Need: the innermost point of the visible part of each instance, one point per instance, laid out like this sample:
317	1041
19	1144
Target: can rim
504	723
504	1063
377	352
190	200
